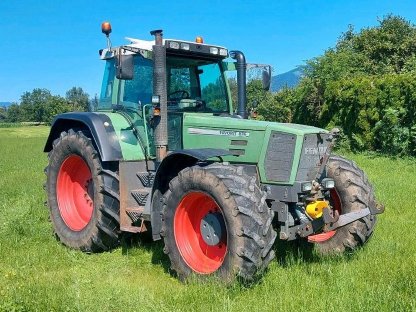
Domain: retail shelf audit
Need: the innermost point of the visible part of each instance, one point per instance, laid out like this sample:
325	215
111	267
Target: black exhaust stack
241	67
160	89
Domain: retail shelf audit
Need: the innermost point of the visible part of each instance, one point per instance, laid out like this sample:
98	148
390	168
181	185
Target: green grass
38	273
19	124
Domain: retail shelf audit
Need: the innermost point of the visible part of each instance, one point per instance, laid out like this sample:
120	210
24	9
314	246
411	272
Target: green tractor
164	152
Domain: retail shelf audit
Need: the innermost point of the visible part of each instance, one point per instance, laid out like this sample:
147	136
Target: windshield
196	85
193	85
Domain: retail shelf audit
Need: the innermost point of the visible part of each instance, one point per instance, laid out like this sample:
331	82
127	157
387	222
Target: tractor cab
195	77
196	83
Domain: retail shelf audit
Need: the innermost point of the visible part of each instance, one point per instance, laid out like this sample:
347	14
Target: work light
306	186
328	183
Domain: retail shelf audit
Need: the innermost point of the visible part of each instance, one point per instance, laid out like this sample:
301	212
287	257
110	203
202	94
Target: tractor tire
83	194
215	221
352	192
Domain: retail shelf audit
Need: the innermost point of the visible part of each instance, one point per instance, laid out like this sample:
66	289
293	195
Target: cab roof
148	44
173	46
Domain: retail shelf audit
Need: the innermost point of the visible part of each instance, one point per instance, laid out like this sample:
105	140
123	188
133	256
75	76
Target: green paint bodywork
209	131
257	139
130	147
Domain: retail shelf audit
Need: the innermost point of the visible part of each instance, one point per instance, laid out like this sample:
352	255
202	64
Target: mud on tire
97	230
247	219
355	193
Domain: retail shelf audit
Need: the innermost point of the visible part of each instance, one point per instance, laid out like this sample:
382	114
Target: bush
366	85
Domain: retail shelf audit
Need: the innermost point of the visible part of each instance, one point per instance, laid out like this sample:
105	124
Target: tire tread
104	234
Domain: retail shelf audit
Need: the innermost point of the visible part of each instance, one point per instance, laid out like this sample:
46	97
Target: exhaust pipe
160	89
241	67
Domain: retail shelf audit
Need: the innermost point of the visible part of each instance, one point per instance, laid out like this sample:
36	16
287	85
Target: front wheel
353	192
82	194
216	222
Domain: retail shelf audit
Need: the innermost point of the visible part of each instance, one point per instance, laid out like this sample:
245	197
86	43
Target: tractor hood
276	148
209	121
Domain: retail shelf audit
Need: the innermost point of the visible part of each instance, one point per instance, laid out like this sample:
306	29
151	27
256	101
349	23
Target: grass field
38	273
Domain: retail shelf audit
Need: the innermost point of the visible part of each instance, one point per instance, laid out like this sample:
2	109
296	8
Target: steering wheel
183	95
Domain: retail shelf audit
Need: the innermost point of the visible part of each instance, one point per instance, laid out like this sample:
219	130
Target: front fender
169	168
100	127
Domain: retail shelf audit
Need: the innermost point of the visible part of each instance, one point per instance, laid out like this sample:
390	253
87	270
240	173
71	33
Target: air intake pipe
241	67
160	89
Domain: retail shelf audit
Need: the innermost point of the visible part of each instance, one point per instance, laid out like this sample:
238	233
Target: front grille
313	149
279	156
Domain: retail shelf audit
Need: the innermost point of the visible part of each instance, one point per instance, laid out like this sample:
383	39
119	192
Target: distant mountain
289	79
5	104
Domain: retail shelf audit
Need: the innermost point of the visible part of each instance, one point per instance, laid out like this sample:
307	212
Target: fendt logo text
315	150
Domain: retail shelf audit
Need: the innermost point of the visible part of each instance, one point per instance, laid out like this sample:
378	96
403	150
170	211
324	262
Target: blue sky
54	44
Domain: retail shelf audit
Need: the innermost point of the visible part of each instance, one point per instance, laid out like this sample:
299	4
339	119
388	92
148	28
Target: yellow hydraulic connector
315	209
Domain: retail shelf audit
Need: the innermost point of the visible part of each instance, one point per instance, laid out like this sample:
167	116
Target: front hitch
330	218
343	219
347	218
328	222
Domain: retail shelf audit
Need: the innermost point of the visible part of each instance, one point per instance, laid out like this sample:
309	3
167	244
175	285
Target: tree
3	114
56	105
38	106
255	94
78	98
32	104
14	113
277	107
271	107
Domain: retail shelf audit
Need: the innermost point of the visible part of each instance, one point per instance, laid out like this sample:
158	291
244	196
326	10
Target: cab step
135	213
146	178
141	195
135	190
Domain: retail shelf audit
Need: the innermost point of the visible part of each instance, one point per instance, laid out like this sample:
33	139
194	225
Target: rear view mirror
124	67
266	78
266	74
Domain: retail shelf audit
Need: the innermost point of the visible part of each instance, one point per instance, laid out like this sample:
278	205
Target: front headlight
328	183
306	186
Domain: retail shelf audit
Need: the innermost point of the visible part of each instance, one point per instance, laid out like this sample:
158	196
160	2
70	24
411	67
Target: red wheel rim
323	237
198	255
75	192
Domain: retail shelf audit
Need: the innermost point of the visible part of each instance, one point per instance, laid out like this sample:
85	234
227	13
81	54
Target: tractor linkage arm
327	222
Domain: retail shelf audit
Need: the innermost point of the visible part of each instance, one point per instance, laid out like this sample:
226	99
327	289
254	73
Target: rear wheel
82	194
216	221
352	192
